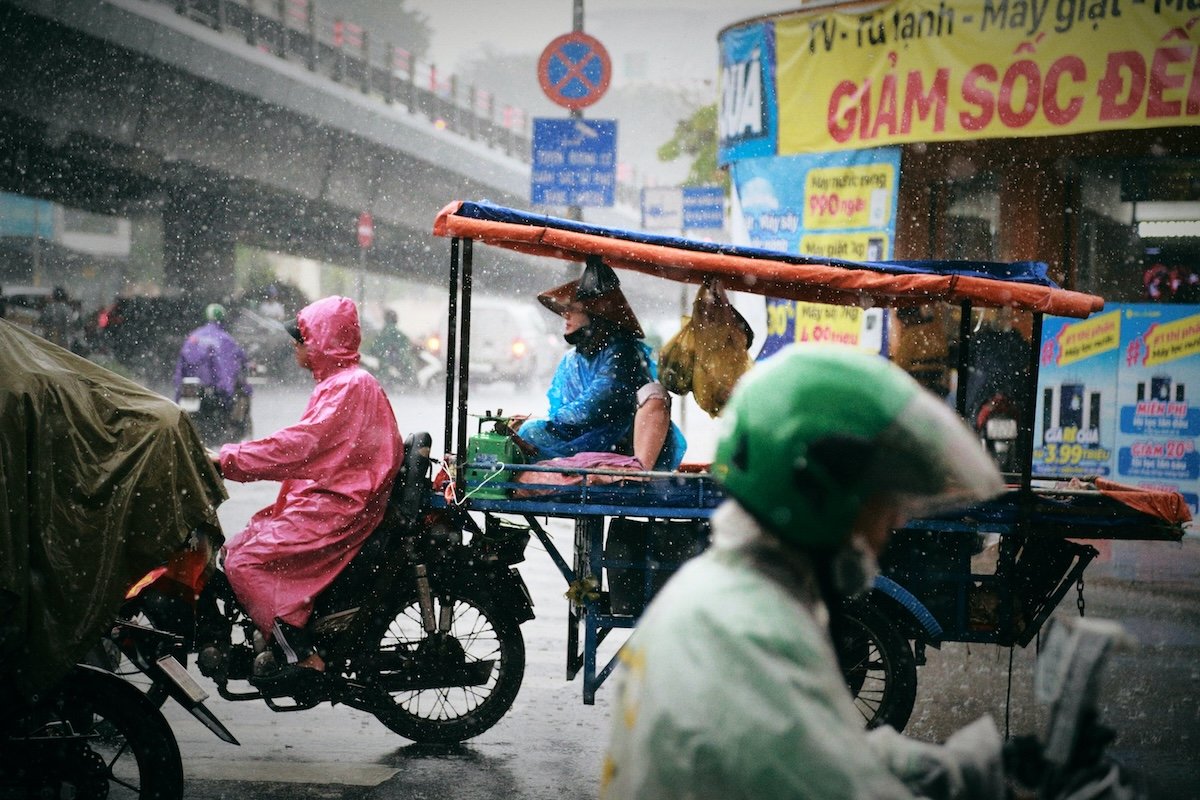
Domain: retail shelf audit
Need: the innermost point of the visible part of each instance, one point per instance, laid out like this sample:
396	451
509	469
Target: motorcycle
996	424
217	419
96	735
425	373
421	629
1070	761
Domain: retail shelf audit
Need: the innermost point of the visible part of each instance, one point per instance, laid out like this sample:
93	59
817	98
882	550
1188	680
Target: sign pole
366	237
576	212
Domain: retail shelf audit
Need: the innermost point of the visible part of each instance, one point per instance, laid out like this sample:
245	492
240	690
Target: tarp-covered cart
100	481
993	573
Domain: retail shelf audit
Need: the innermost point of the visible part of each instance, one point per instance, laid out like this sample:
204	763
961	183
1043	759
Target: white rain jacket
730	689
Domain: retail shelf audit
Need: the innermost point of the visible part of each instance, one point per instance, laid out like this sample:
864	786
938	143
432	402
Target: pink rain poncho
336	464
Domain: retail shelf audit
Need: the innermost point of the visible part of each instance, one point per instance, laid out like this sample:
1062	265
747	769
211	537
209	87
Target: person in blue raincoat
601	382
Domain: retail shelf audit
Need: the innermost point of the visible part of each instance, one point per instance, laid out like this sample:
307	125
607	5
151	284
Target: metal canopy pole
964	360
451	340
1029	407
464	363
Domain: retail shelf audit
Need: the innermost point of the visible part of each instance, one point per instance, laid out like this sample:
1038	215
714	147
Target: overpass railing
344	52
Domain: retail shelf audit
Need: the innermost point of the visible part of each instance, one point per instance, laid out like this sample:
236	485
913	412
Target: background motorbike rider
394	351
212	355
824	451
336	465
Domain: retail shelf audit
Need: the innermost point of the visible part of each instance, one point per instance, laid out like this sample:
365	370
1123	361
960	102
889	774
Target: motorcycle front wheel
478	631
878	664
129	750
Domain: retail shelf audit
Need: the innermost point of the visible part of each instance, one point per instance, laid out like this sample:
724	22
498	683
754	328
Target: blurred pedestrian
58	318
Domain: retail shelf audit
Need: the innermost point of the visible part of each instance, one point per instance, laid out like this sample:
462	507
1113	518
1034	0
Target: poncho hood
331	333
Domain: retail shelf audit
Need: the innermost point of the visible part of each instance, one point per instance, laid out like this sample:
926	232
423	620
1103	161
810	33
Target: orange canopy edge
833	283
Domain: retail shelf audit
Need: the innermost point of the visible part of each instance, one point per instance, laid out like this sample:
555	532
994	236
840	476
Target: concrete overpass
129	107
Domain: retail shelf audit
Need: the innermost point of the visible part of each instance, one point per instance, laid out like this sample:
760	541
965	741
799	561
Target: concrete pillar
198	247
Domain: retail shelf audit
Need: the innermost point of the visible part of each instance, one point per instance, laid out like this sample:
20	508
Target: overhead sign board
662	208
574	162
703	208
574	70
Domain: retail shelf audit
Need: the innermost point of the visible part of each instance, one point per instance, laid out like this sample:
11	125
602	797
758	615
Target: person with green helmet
730	685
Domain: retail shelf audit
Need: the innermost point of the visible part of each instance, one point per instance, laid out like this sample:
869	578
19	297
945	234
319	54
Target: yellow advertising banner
1172	340
1091	337
941	70
816	323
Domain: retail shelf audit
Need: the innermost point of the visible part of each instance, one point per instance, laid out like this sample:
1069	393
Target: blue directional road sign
703	208
574	162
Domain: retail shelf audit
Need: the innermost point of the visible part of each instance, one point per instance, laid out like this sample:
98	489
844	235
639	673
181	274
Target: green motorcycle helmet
812	432
214	312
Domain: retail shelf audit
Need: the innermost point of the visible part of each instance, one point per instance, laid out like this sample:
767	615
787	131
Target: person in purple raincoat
336	465
212	355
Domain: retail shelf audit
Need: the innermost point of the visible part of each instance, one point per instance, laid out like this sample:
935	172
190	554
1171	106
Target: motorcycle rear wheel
452	714
132	752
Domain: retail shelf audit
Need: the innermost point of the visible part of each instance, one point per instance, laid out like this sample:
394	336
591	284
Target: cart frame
1033	519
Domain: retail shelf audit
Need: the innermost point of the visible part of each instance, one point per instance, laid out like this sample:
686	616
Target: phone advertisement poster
1075	431
1158	387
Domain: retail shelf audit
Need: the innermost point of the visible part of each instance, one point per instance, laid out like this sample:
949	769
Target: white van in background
513	340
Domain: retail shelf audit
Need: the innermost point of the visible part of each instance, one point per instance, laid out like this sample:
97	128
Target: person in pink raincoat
336	464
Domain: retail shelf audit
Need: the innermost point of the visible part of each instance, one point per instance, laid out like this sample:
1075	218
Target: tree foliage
696	137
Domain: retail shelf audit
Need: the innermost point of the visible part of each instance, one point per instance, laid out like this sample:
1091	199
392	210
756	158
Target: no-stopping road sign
574	70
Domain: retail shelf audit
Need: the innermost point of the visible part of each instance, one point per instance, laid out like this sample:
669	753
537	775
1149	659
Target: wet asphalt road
550	745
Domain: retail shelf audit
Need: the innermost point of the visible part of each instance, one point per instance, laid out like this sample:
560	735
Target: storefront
1060	131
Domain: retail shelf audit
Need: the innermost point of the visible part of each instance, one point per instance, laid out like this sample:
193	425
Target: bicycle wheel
478	632
131	751
878	664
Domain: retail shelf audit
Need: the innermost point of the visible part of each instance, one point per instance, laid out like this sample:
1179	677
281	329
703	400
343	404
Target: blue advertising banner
1077	395
747	122
574	162
841	205
1157	393
1117	398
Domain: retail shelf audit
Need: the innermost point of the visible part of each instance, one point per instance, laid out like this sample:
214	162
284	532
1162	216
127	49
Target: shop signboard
961	70
748	114
834	205
1117	398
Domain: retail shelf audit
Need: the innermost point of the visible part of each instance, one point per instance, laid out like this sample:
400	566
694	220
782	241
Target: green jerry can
487	452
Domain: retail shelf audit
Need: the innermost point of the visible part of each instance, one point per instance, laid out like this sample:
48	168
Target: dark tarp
100	480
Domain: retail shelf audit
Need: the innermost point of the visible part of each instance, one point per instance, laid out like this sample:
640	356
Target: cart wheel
878	664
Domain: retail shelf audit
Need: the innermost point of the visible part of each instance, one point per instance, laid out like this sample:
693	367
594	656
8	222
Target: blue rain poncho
593	399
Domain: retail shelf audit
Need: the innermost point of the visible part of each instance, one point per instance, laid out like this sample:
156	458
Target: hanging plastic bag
708	355
677	359
721	338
